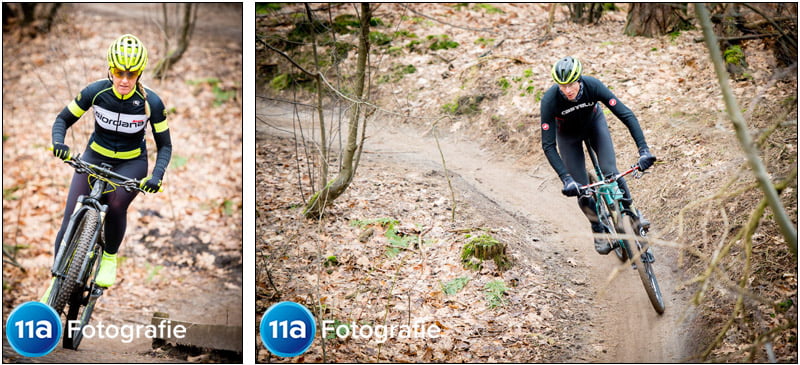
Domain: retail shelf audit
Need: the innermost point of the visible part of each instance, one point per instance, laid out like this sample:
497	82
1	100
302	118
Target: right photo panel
507	182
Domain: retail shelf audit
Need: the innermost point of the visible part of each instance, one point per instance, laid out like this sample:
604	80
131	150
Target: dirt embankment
563	306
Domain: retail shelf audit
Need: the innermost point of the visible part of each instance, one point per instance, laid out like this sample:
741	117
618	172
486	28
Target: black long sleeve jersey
572	117
119	123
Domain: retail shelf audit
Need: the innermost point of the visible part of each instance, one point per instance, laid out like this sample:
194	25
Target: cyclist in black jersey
122	109
572	114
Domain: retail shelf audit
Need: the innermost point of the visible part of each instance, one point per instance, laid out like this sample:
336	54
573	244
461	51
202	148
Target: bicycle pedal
96	292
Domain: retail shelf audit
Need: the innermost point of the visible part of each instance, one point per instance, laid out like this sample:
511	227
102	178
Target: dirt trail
625	323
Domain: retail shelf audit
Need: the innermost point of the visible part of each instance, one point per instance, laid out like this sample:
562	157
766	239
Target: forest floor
183	248
563	303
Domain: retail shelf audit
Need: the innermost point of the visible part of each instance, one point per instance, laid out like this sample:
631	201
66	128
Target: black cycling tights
571	148
118	200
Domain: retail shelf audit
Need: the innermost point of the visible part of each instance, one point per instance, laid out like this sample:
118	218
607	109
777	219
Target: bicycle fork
96	293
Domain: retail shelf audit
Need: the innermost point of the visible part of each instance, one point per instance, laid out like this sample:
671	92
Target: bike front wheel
75	283
644	264
78	247
81	306
604	214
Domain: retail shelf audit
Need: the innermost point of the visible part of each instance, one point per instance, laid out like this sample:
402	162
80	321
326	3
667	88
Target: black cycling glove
646	159
61	151
571	188
150	184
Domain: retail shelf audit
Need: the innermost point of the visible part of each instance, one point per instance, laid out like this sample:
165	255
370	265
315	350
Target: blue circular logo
288	329
33	329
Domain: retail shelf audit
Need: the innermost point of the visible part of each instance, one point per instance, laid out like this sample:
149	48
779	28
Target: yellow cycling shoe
108	270
46	295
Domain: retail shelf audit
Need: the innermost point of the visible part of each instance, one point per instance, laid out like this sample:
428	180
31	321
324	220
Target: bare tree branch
286	56
774	24
745	140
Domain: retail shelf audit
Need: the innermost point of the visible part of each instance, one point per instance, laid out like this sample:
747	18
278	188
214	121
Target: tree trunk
187	27
48	22
585	13
653	19
337	186
323	135
28	13
550	18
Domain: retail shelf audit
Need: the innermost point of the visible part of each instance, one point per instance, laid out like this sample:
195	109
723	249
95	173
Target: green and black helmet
566	70
127	53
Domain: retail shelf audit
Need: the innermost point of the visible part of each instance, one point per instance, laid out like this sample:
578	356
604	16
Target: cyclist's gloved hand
150	184
571	188
646	159
61	151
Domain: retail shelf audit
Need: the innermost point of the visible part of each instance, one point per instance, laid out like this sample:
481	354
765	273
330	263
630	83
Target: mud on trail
560	306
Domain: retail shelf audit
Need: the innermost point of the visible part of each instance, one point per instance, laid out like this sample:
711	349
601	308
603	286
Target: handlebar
85	167
634	169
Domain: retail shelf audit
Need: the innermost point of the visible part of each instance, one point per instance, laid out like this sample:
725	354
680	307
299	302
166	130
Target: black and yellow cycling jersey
119	122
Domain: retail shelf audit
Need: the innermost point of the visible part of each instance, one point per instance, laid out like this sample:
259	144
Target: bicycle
76	264
620	220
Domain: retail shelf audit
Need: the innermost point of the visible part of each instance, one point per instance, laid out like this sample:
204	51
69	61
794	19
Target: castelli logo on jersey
545	126
612	102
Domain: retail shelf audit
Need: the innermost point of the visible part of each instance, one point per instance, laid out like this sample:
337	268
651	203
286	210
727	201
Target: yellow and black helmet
127	53
566	70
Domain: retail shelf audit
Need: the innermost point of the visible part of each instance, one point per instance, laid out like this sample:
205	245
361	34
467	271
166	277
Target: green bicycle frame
609	192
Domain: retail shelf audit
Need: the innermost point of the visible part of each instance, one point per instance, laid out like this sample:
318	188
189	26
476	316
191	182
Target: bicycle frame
609	191
92	201
608	197
82	291
606	191
84	203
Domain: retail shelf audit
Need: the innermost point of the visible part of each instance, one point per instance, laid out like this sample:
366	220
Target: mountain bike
625	233
77	261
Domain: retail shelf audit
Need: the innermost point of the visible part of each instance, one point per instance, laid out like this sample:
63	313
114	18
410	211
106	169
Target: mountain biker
572	114
122	107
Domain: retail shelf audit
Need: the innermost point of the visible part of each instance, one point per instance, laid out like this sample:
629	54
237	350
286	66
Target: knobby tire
79	246
72	290
620	251
645	269
79	309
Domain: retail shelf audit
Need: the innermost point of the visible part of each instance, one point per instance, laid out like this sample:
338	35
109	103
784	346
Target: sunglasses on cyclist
124	74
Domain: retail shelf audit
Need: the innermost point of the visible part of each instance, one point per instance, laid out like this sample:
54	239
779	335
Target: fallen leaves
190	231
367	285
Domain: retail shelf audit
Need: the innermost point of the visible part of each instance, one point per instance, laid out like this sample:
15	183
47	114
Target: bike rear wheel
78	247
644	265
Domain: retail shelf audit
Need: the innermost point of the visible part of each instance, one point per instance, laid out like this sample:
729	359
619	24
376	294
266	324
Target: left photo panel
122	183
